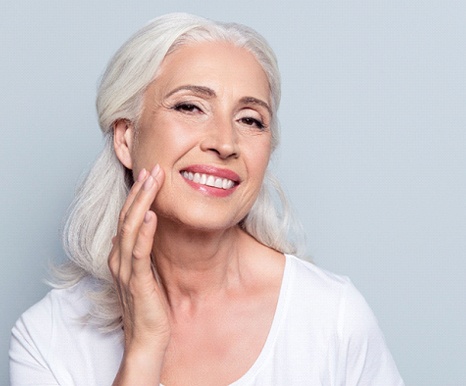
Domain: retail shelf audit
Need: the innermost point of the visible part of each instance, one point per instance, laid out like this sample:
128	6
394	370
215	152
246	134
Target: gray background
372	157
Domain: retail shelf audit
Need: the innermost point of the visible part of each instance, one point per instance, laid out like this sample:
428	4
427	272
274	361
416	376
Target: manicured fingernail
147	217
155	170
142	175
148	184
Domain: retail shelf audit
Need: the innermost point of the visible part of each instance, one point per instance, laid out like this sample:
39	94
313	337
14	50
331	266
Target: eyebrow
208	92
255	101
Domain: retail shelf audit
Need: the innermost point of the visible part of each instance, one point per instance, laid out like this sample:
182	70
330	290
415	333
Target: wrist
140	366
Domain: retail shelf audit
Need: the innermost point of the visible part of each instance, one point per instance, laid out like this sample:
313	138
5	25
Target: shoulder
327	312
54	343
68	303
59	309
328	295
312	274
313	285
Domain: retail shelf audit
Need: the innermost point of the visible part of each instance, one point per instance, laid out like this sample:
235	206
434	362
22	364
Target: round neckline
280	312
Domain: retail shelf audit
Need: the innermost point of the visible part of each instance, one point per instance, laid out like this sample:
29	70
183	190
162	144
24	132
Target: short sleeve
364	357
28	357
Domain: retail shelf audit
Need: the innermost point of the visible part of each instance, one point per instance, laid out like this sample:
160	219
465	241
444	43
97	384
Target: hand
142	301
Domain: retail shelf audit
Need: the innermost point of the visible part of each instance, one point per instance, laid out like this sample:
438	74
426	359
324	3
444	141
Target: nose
222	139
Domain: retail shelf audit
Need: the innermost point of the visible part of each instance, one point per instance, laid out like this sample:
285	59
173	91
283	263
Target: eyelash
185	107
253	121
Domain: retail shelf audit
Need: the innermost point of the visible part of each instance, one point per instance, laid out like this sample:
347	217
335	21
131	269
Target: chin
202	220
204	215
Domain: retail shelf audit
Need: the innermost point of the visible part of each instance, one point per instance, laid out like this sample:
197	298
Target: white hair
93	216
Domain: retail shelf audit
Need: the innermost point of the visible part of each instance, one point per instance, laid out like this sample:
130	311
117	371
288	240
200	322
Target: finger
134	218
135	210
143	174
141	267
114	258
136	191
114	266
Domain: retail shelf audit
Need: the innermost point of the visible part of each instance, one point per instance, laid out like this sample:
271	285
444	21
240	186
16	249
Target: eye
186	107
253	122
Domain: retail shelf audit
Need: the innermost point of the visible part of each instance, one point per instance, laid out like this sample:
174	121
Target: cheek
260	157
165	148
145	155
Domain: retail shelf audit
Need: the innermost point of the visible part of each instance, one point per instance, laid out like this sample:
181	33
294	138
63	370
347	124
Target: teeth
227	184
209	180
218	183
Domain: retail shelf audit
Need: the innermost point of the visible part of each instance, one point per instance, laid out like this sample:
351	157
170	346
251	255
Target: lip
216	172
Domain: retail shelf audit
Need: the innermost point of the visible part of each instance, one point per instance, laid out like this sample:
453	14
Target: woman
199	282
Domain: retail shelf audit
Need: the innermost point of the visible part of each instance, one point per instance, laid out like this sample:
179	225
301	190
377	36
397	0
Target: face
206	121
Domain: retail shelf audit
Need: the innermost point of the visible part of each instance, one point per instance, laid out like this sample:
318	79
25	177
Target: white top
323	333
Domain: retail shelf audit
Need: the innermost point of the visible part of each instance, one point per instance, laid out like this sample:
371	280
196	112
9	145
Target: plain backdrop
373	153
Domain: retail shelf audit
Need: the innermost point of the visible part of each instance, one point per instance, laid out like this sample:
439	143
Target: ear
123	138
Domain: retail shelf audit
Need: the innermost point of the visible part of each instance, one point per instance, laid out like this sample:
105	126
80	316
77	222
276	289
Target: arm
28	362
142	301
364	356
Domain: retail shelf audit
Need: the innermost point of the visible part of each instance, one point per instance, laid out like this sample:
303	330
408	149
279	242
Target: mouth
209	180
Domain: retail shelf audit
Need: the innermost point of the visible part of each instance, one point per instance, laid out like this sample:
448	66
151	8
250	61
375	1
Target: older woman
200	286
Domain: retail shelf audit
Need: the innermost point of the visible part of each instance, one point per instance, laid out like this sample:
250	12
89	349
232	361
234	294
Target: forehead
222	66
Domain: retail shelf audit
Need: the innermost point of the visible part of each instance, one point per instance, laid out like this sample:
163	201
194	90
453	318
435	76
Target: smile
208	180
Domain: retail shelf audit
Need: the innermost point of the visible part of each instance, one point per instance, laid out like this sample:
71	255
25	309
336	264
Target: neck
192	265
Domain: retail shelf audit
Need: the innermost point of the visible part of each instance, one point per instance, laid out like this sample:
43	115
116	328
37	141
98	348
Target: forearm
140	368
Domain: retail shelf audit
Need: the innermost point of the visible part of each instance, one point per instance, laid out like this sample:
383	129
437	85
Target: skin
204	316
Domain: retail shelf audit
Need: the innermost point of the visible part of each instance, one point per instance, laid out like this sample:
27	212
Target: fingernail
142	175
147	217
155	170
148	184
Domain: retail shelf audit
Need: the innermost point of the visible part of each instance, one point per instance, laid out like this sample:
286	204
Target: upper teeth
209	180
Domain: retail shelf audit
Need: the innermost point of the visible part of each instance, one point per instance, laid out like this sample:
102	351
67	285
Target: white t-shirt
323	333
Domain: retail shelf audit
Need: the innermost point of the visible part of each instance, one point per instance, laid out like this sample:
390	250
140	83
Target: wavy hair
93	216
